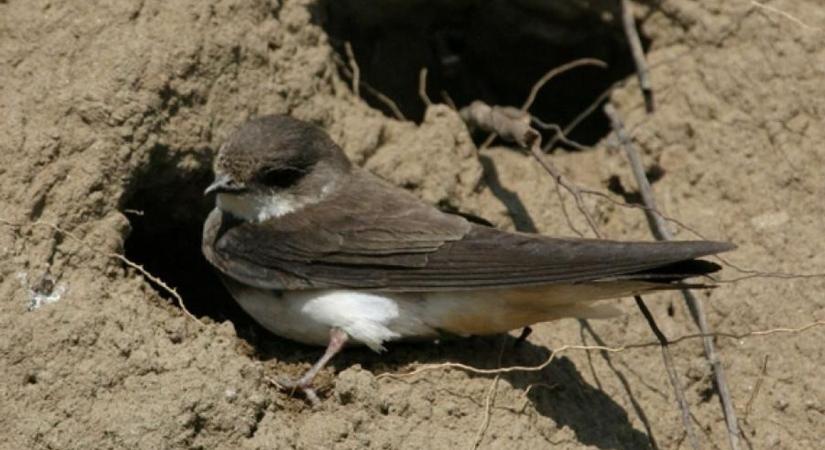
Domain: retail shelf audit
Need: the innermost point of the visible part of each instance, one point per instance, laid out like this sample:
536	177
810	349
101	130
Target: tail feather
674	272
499	310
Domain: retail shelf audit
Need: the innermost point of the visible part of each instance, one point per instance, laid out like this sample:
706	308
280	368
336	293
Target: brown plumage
371	235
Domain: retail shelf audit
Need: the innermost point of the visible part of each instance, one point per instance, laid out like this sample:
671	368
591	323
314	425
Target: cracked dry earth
111	112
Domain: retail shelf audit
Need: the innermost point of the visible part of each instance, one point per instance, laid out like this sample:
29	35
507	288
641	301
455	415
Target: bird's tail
500	310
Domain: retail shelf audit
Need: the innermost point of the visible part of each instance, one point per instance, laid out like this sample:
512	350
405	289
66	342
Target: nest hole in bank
166	208
490	50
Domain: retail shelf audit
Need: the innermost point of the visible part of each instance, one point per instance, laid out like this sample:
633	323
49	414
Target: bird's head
274	165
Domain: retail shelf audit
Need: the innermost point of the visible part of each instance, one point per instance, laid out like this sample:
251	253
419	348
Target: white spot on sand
770	220
44	293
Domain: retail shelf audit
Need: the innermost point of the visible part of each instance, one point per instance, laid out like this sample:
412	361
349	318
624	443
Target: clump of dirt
113	112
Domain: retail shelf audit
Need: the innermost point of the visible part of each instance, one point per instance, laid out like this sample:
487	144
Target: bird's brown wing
370	235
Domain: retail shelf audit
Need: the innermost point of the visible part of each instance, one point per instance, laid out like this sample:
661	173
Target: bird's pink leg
337	339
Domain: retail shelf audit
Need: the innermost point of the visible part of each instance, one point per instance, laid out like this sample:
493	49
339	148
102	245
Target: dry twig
553	73
584	325
695	306
448	100
594	105
756	389
752	273
356	71
488	403
786	15
564	348
391	105
672	375
534	90
574	190
530	388
560	134
386	100
579	118
422	87
512	124
638	55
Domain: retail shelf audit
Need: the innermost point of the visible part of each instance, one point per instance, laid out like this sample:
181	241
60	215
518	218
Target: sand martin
322	252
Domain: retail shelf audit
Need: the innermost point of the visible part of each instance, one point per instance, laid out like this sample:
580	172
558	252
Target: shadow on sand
595	418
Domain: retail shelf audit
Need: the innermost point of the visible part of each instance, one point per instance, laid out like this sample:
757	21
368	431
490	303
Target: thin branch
488	403
560	134
756	389
527	391
487	141
356	71
510	123
534	90
657	224
600	99
754	273
672	375
785	15
566	214
638	53
601	348
552	73
422	87
746	335
579	118
584	325
694	304
448	100
535	150
386	100
393	107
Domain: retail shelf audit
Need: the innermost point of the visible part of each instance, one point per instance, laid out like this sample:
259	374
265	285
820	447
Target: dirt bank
112	112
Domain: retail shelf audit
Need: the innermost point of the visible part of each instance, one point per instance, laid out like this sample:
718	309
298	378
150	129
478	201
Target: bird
320	251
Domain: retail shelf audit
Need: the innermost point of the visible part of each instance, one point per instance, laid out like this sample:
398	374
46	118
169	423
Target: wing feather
371	235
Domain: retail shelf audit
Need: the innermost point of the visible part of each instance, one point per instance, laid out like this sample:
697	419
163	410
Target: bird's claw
290	386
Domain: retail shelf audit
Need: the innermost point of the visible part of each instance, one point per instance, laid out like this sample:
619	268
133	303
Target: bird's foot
525	332
337	339
291	386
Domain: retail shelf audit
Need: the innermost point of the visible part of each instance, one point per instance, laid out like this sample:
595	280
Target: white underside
373	318
308	316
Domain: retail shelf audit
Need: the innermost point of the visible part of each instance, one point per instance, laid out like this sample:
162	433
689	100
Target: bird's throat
257	207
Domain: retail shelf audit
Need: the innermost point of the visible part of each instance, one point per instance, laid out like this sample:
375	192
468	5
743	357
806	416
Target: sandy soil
110	107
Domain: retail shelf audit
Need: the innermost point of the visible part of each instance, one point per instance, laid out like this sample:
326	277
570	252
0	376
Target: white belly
307	316
372	318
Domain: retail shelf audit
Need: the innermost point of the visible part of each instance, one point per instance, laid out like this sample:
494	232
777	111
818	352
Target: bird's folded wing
372	236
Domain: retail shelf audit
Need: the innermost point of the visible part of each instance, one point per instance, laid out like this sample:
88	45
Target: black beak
224	183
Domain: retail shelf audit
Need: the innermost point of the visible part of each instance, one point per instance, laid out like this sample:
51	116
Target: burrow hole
487	50
166	208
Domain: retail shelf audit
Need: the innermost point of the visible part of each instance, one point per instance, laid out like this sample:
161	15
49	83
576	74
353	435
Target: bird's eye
281	178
